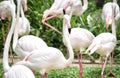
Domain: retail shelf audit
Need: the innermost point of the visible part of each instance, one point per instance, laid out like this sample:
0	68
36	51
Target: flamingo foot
111	74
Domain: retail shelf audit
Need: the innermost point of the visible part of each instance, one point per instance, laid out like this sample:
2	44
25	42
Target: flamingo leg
103	67
111	61
80	64
48	25
44	76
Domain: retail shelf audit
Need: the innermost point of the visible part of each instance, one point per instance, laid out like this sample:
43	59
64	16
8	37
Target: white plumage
27	43
103	44
49	58
16	71
80	39
110	14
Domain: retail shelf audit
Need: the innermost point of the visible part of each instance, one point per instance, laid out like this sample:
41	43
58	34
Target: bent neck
15	37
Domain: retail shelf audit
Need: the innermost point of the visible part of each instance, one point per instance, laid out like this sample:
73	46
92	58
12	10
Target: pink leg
103	67
80	64
111	60
46	19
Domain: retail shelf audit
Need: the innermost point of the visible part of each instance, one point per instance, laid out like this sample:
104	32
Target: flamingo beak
108	22
24	4
3	15
25	7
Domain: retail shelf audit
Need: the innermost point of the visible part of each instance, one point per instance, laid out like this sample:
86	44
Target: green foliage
73	72
91	20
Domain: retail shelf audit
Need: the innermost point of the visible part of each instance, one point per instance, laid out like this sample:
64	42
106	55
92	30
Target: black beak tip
64	11
69	30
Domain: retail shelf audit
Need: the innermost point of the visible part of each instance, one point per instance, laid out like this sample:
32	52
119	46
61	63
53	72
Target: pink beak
25	7
3	15
108	22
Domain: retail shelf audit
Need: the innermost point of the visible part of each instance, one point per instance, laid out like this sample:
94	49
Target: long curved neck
113	27
15	37
67	42
7	43
85	5
113	21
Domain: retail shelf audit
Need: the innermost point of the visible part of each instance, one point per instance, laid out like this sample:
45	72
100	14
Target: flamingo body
44	59
19	71
24	26
27	44
80	38
103	44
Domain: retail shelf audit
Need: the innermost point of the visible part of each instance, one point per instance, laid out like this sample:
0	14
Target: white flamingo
103	44
49	58
16	71
27	43
70	7
80	39
110	14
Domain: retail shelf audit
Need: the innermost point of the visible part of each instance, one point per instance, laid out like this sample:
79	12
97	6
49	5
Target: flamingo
70	7
16	71
26	44
110	14
80	39
49	58
103	44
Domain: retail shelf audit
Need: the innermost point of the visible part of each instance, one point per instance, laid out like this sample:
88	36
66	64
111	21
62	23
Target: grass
73	72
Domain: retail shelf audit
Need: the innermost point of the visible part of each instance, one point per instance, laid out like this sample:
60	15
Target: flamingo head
24	3
67	18
3	15
108	21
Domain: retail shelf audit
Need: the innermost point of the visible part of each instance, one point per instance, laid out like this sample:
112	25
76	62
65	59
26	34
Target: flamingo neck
85	5
7	43
15	37
113	27
67	42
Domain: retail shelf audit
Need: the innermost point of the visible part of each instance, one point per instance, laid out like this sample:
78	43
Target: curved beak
25	7
108	22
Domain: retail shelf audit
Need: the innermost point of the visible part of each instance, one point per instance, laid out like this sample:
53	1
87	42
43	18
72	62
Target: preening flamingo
27	43
80	39
103	44
71	7
16	71
49	58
